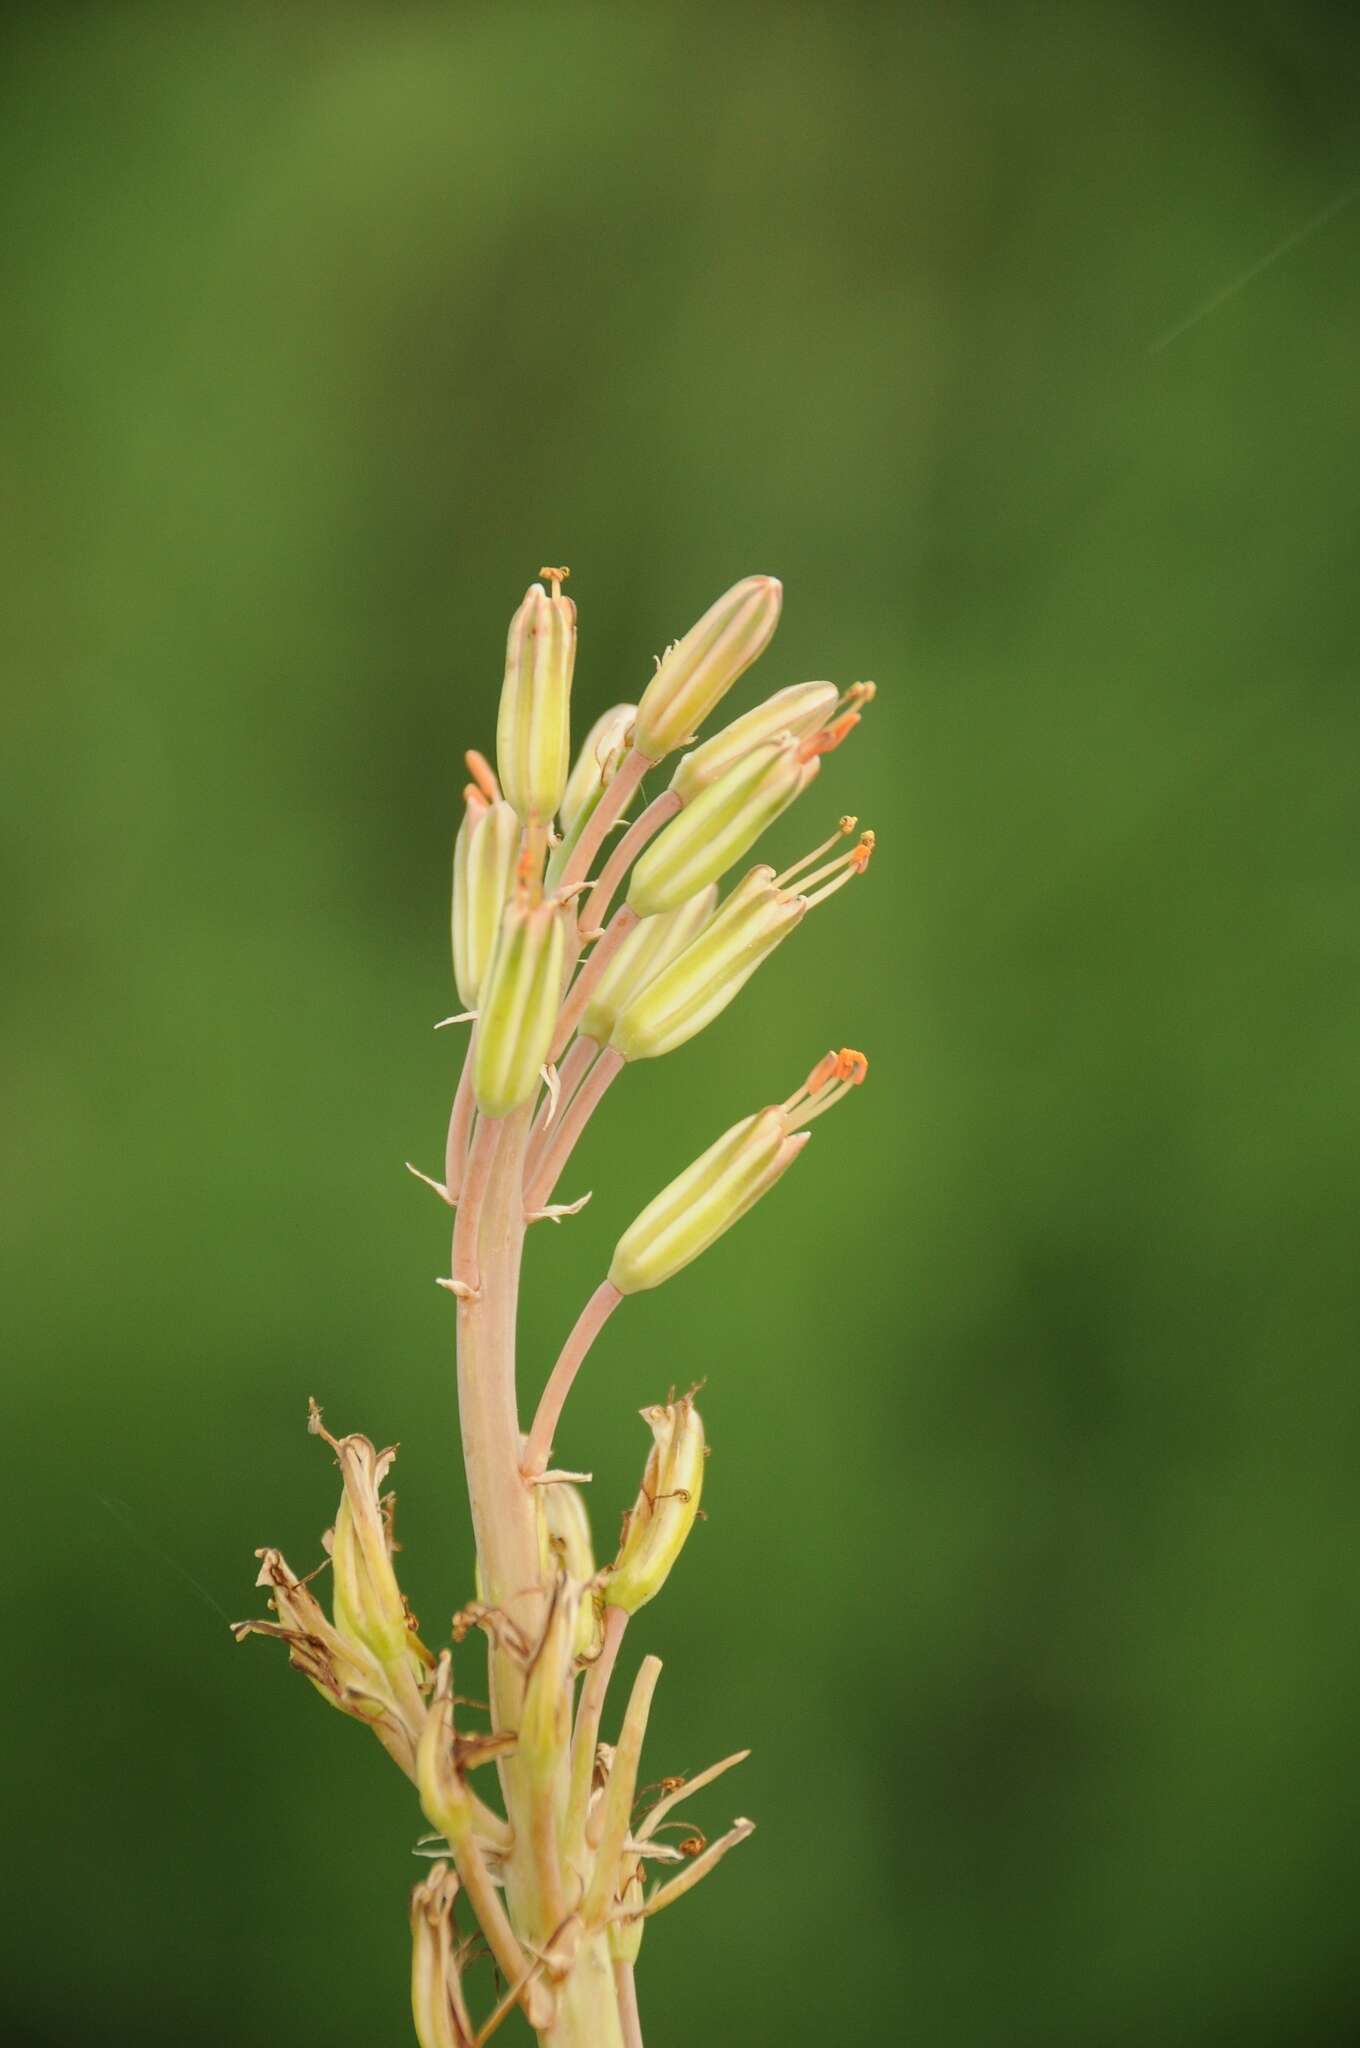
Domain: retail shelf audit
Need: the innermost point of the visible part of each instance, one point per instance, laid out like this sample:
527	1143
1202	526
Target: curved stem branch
574	1007
658	813
607	812
589	1324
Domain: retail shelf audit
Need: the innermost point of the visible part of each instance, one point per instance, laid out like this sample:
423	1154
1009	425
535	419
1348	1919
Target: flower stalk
550	1851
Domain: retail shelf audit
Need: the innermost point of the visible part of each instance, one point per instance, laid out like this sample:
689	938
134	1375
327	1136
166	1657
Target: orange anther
863	853
483	774
557	577
851	1066
847	824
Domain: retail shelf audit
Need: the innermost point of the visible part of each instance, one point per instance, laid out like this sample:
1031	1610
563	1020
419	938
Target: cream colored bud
724	821
484	856
533	725
520	998
699	670
705	1200
799	709
545	1715
593	770
663	1515
699	983
649	947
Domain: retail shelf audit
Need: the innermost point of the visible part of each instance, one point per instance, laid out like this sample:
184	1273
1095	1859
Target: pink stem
607	811
557	1148
460	1123
658	813
589	1324
574	1007
481	1159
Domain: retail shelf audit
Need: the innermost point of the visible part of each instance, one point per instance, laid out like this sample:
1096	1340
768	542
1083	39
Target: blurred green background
1030	1562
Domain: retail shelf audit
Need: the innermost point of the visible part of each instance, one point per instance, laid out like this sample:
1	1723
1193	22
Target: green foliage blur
1022	344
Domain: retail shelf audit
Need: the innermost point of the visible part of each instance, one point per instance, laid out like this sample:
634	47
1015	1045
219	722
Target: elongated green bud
694	987
520	998
724	821
799	709
483	869
656	1529
699	670
700	983
650	946
533	726
717	1190
593	769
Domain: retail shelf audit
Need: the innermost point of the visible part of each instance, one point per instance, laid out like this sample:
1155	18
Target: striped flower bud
520	998
484	856
533	726
699	670
649	947
699	984
723	823
717	1190
690	990
663	1515
798	710
593	770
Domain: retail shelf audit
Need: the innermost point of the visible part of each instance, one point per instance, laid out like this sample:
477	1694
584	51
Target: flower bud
799	709
701	668
650	946
533	725
483	869
520	998
716	1191
696	986
545	1715
655	1532
702	1202
593	770
723	823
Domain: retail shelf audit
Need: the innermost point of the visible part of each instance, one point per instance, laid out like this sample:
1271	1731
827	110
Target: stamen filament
846	825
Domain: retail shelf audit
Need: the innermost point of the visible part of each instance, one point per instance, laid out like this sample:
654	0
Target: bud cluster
563	997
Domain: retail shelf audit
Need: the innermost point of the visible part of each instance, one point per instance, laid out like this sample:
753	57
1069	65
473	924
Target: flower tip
483	775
